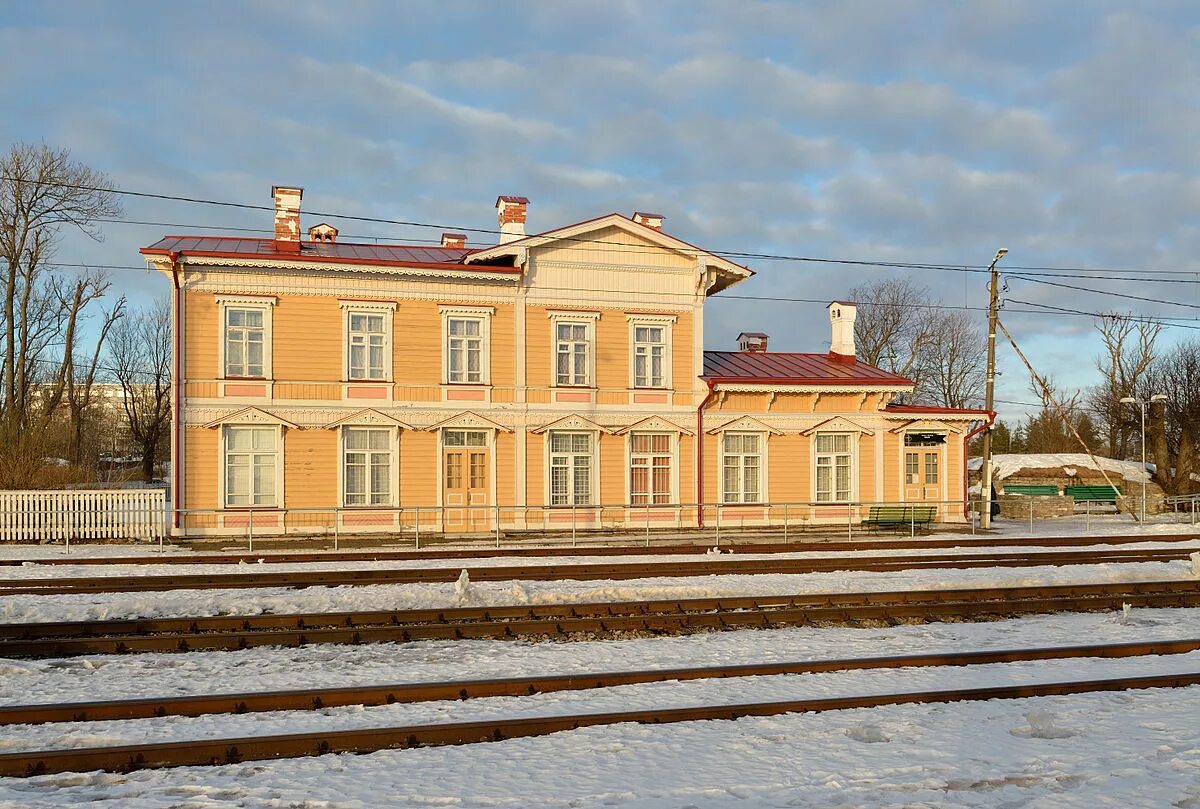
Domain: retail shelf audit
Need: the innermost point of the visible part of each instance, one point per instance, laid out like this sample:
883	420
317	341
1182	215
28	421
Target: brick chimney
841	319
323	232
752	341
287	217
511	215
650	220
455	240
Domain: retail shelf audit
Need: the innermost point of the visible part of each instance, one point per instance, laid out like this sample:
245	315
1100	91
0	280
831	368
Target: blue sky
900	131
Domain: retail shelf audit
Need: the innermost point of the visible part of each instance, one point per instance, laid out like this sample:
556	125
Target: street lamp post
1142	403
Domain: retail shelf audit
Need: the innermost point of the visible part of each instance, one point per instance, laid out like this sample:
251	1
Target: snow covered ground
175	603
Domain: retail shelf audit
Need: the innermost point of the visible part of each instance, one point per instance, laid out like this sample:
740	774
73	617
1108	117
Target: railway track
405	693
128	758
582	572
66	639
735	545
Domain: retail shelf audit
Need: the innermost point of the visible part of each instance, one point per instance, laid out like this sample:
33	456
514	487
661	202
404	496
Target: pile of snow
1004	466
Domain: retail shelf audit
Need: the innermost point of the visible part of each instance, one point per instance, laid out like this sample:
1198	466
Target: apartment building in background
547	381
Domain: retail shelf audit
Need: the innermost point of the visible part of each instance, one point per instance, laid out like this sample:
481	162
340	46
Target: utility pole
985	477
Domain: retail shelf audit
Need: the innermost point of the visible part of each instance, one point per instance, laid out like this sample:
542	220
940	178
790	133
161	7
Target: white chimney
510	212
287	217
841	319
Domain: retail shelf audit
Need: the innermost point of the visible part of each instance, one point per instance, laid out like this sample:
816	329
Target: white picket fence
66	516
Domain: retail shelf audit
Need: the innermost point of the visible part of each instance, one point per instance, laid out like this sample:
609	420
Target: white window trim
387	309
812	470
594	493
674	494
394	472
484	315
764	438
279	487
667	323
266	303
588	321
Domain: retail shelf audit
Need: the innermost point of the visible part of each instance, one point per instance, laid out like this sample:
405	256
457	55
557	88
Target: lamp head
1158	397
1129	400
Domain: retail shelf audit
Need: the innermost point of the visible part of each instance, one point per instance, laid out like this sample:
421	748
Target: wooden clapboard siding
788	468
307	339
535	468
504	448
418	468
866	467
306	390
893	467
202	336
202	460
687	466
612	350
613	469
310	469
417	337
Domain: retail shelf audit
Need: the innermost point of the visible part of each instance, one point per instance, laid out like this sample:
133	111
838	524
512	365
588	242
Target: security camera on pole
985	478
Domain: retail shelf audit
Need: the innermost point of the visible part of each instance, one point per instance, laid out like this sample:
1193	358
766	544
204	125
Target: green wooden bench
1106	494
898	517
1031	489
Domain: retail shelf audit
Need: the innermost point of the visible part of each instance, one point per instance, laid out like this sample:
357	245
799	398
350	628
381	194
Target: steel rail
761	613
735	545
370	695
579	572
127	758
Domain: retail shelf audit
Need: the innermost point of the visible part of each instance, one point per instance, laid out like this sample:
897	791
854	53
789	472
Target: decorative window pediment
572	422
746	424
654	424
837	424
369	417
251	415
468	420
927	426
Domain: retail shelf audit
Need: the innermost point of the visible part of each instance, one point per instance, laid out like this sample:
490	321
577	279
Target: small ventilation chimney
323	232
455	240
650	220
841	319
752	341
287	217
510	212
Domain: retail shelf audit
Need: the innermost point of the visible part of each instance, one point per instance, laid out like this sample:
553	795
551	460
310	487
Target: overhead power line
740	254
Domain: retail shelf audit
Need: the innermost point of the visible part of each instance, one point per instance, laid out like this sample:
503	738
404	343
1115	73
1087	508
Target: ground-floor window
570	469
833	467
741	465
649	468
367	470
251	458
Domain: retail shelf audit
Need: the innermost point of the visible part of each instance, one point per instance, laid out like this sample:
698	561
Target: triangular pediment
590	228
468	420
572	422
369	417
928	426
251	415
746	424
654	424
837	424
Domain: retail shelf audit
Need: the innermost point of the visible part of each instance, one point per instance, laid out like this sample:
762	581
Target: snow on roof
1006	465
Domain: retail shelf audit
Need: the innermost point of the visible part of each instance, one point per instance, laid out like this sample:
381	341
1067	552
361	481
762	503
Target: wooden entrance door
465	481
922	474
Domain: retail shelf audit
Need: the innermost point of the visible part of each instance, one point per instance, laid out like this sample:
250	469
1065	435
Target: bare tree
42	191
1129	349
953	362
1173	426
901	328
894	326
140	356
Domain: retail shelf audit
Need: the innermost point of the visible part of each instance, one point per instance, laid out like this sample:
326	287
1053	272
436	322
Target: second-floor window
245	340
572	353
367	339
464	349
649	356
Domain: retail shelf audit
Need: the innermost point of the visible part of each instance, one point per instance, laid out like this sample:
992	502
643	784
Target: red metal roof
801	369
343	252
932	409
